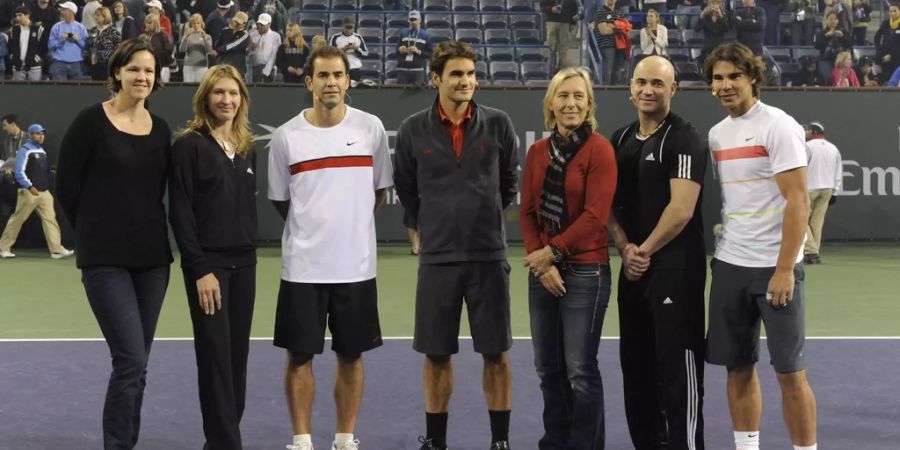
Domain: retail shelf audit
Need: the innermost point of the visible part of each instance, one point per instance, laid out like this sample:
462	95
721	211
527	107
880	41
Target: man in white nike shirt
759	155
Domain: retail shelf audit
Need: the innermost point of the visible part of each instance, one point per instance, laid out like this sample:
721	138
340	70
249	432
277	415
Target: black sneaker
811	259
500	445
427	444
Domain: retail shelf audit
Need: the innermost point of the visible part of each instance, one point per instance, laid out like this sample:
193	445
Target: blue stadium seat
519	21
692	38
371	5
495	21
370	20
497	36
371	35
675	39
532	70
504	70
436	5
309	32
859	52
336	19
687	71
392	35
396	20
371	70
528	36
800	52
472	21
390	69
679	54
437	20
310	5
519	5
469	35
464	5
313	19
500	54
440	35
506	83
481	71
539	54
781	54
493	5
343	5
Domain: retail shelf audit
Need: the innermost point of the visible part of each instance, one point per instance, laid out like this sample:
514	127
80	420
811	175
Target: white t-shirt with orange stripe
747	152
330	176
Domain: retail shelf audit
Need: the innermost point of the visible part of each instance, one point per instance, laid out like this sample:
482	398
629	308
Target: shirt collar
446	119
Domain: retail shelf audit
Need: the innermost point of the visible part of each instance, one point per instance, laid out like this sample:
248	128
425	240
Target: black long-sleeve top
887	41
713	31
212	206
750	24
232	48
291	55
830	46
110	185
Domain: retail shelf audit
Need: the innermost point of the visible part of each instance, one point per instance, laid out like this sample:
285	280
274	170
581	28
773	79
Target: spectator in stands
862	11
106	40
196	45
276	10
887	42
415	51
750	23
263	49
137	9
15	137
810	75
772	28
604	29
216	22
159	41
45	14
26	53
33	177
689	13
231	48
894	81
842	10
831	41
561	21
865	72
87	13
654	36
714	24
4	50
771	76
803	25
843	74
318	41
292	55
68	39
156	7
124	24
353	45
824	179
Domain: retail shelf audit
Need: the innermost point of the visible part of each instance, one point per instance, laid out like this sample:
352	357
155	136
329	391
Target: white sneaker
300	447
7	254
62	254
349	445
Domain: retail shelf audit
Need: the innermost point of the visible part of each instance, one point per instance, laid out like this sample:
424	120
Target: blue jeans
566	335
61	70
126	303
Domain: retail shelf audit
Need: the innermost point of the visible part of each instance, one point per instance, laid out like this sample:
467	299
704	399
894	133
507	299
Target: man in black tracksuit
658	230
456	172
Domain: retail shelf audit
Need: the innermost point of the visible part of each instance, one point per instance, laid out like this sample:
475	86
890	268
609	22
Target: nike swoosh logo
748	139
752	435
351	143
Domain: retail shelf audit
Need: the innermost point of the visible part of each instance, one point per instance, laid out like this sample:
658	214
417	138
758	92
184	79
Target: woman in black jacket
212	209
159	41
830	41
122	22
231	47
887	42
714	25
292	55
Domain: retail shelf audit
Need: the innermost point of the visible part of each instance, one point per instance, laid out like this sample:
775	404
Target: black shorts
737	304
440	293
349	309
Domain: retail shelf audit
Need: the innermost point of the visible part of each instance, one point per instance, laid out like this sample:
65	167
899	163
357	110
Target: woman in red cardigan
567	191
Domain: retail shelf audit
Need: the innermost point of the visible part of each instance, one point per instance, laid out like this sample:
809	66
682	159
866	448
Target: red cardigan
589	185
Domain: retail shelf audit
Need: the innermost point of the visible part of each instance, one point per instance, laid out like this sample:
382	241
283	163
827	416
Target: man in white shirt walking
263	47
825	179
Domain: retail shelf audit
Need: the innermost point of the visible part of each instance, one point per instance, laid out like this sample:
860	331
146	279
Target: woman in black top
123	23
714	25
231	47
887	43
830	41
213	215
292	55
159	41
111	181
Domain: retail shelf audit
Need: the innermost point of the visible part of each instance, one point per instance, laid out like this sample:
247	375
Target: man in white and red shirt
826	173
329	169
757	274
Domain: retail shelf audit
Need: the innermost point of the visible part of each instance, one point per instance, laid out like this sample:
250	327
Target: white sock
340	438
302	439
806	447
746	440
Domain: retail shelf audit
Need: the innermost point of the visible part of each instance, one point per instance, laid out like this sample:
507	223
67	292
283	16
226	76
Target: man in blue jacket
33	177
68	39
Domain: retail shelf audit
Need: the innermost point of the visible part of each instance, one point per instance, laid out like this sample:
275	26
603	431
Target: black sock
436	428
499	425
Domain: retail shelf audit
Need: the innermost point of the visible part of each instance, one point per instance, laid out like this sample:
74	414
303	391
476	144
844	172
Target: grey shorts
737	303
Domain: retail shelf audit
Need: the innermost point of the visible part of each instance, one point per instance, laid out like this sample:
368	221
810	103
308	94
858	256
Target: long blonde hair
203	117
297	32
558	79
153	21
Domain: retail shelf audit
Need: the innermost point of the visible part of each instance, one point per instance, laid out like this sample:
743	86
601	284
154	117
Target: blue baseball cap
35	128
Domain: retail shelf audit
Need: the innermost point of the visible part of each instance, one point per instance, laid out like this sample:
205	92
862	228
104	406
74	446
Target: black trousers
126	303
661	318
222	342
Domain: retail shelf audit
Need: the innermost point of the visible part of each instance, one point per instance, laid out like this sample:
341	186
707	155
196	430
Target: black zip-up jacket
212	206
37	47
459	202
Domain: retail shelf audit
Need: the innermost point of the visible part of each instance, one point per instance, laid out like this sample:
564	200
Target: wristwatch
557	256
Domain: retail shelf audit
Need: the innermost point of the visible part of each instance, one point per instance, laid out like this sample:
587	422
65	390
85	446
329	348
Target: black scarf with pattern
553	194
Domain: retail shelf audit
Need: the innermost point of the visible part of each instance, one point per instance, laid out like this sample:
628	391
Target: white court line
409	338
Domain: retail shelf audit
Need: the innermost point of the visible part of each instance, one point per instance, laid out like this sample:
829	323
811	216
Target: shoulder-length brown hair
742	58
123	55
203	117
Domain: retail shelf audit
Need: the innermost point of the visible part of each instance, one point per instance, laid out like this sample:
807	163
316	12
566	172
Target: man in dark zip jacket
26	52
456	172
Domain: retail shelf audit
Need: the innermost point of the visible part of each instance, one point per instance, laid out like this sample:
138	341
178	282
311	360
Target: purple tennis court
51	396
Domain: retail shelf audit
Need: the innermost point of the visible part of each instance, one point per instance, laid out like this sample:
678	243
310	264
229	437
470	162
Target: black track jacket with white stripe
646	167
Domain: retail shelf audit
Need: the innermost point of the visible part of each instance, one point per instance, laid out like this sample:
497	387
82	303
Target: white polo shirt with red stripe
747	152
330	176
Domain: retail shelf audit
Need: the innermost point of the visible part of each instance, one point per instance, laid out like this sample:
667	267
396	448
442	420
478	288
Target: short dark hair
10	118
325	52
448	50
22	9
741	57
123	55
